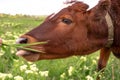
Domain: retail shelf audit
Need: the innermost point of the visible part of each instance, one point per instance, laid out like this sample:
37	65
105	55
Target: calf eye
66	21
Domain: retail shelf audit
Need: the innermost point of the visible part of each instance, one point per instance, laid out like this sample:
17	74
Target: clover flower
89	77
62	75
5	75
29	72
44	73
85	67
9	75
18	78
94	62
15	60
23	67
97	57
83	58
70	70
34	68
2	76
30	63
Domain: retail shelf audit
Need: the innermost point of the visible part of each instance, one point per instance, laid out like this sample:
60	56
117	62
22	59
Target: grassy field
72	68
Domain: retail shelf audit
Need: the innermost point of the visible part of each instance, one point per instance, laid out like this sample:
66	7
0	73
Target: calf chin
116	52
117	55
28	55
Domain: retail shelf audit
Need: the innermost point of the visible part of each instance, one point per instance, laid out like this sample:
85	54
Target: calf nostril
22	41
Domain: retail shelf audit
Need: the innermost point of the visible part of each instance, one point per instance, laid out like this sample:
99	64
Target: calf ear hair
100	10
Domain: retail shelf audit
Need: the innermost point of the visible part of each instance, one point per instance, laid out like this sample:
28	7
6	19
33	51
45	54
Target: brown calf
76	31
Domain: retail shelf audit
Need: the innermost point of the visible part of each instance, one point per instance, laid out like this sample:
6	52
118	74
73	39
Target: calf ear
100	10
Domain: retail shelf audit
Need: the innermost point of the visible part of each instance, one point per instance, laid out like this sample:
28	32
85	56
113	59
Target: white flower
89	77
86	68
29	72
18	78
36	73
4	75
23	67
9	75
16	60
1	53
33	65
62	75
83	58
34	68
30	62
70	70
94	62
44	73
97	57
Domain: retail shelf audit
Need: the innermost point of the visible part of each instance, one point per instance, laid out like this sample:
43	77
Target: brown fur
87	32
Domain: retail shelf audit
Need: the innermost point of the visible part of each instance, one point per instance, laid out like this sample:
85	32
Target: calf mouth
29	55
31	49
25	53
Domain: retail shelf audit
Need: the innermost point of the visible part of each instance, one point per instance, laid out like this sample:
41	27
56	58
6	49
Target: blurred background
35	7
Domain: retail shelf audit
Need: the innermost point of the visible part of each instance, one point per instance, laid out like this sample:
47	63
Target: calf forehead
79	6
70	10
49	24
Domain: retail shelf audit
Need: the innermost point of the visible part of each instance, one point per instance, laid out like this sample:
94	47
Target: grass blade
30	49
25	46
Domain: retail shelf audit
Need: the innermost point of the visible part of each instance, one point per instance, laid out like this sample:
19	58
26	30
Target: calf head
72	31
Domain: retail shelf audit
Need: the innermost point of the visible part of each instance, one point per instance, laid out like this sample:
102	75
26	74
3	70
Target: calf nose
22	41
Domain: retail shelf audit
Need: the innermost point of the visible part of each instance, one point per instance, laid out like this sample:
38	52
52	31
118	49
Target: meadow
72	68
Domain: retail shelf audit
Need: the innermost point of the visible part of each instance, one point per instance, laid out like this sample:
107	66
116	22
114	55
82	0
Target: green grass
72	68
